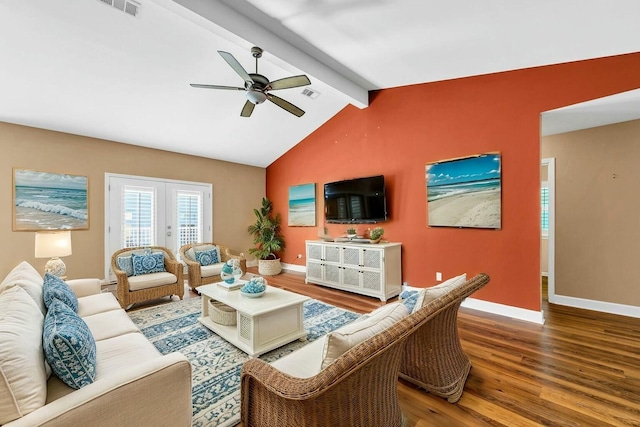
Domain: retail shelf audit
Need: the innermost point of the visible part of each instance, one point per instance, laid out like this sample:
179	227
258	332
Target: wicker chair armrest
122	278
117	271
194	268
226	255
190	263
279	383
172	266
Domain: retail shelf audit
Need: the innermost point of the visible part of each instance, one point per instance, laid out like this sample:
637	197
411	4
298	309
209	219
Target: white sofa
134	384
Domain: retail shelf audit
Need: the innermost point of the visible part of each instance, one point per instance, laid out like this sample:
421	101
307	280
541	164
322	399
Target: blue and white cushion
208	257
54	287
147	263
409	299
68	346
125	263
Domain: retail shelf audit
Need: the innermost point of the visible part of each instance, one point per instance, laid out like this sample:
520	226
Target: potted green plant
376	234
268	239
351	232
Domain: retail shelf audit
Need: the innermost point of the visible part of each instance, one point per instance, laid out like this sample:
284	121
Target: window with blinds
544	210
188	217
138	216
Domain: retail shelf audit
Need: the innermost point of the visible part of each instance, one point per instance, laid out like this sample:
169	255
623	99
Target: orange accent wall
405	128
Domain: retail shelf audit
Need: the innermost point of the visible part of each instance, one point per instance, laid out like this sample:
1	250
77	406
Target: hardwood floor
581	368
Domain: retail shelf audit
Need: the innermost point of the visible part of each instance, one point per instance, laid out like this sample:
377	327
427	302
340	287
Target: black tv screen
361	200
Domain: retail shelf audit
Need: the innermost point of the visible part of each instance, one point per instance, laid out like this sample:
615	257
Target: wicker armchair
433	358
358	389
132	289
195	271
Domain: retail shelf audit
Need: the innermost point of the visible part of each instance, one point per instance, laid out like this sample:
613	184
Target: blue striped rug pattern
216	364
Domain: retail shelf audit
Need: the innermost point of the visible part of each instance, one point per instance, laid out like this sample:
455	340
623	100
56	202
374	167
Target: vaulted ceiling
88	68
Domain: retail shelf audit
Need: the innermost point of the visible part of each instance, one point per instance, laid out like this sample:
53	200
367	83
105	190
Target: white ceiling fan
257	86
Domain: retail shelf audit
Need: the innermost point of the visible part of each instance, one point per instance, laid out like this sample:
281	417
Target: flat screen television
360	200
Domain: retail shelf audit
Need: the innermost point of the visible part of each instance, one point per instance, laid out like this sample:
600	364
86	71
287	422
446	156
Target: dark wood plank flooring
581	368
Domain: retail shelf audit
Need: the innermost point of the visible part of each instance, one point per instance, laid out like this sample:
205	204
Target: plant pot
269	267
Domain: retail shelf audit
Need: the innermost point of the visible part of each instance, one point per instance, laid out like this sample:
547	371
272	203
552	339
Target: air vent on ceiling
129	7
310	93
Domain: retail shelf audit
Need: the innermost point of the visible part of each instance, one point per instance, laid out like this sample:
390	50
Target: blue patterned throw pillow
145	264
409	299
125	263
54	287
69	346
208	257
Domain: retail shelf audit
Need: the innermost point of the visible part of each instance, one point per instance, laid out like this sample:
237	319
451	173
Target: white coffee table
263	323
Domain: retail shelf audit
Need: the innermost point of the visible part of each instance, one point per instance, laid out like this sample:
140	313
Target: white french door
142	211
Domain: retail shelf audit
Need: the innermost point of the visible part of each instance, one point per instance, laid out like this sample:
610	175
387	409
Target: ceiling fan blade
289	82
216	87
286	105
233	62
247	109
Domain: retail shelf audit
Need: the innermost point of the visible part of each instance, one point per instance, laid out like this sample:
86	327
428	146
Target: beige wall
597	244
237	189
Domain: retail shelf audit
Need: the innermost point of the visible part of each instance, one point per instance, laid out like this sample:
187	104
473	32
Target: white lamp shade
53	244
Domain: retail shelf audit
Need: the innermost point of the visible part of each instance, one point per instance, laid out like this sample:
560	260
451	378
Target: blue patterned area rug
216	364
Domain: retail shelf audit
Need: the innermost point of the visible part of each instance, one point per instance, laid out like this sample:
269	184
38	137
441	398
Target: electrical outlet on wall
438	276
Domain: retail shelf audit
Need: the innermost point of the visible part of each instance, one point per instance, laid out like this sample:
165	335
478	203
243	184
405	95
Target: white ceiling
83	67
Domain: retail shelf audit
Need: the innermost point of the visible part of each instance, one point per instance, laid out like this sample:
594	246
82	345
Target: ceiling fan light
256	97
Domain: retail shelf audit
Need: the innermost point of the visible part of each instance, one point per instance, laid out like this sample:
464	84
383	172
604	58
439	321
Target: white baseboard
476	304
505	310
291	267
294	267
603	306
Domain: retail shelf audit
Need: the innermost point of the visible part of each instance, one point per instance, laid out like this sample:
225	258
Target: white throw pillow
426	295
341	340
24	270
437	291
23	377
28	278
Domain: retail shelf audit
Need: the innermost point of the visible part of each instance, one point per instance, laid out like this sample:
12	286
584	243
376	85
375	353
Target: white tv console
368	269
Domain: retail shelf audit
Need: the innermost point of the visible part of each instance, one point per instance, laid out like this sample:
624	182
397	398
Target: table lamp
53	244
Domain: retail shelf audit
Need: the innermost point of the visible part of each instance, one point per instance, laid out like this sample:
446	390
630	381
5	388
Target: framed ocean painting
49	201
465	192
302	205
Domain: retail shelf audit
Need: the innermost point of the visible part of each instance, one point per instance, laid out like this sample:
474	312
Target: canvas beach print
302	205
49	201
464	192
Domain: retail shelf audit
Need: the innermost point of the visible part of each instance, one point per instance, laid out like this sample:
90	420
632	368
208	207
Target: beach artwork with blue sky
302	205
464	192
49	201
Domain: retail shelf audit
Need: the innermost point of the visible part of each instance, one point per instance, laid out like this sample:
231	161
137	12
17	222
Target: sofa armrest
156	392
85	287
